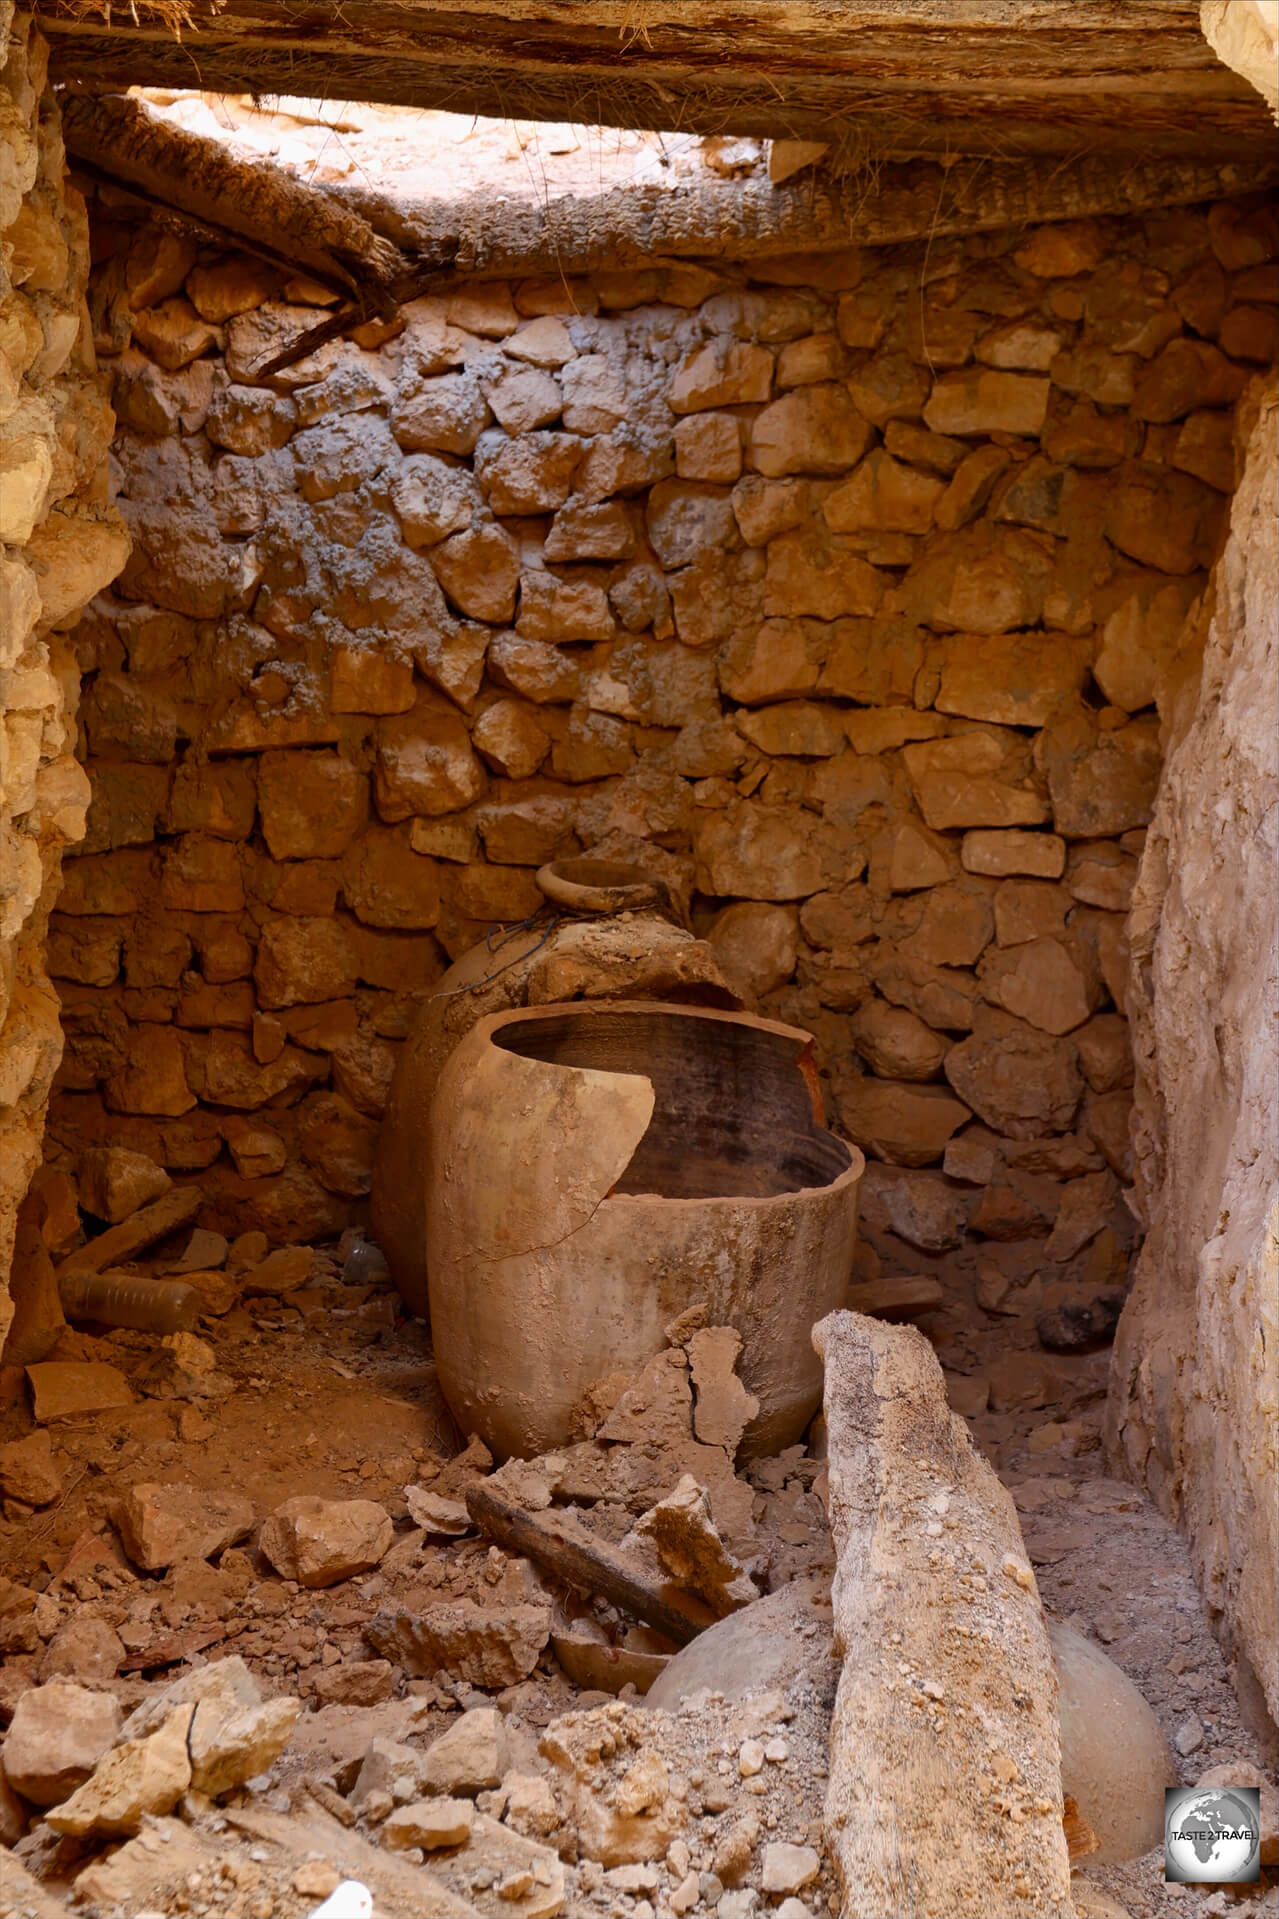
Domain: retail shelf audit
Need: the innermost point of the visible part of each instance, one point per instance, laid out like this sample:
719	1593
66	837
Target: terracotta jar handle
601	886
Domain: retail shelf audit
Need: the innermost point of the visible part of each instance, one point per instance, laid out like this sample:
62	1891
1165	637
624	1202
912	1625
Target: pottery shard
1021	1082
56	1737
113	1182
488	1646
899	1120
159	1524
722	1407
143	1776
320	1541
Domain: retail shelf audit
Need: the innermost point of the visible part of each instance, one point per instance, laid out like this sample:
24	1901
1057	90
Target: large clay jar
608	933
596	1169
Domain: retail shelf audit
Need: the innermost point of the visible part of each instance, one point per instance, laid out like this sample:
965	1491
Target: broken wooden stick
556	1541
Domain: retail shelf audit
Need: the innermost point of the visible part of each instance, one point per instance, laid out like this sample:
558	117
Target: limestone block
385	883
531	474
725	372
534	668
755	947
899	1120
1021	1082
302	961
1163	518
485	308
1139	641
1205	448
479	571
249	420
561	610
956	923
444	415
26	467
884	496
1100	782
1041	982
684	517
777	660
999	853
526	398
757	853
312	804
962	782
139	1778
894	1042
981	401
810	571
884	1393
838	920
509	738
319	1542
982	579
814	429
235	284
152	1078
56	1737
1030	910
1105	1052
764	508
922	1208
1187	374
28	1472
113	1181
595	399
796	729
470	1757
870	661
224	1071
162	1524
487	1645
546	341
582	531
708	446
424	764
1012	679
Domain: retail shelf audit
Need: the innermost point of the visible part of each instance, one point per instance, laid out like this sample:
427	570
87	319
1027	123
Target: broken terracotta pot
582	950
593	1171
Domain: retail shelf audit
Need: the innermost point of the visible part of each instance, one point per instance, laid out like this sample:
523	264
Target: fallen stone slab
228	1747
178	1207
945	1796
64	1388
56	1737
321	1541
469	1757
429	1823
689	1550
162	1524
114	1182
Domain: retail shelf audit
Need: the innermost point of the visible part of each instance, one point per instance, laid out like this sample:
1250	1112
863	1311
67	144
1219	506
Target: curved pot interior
734	1112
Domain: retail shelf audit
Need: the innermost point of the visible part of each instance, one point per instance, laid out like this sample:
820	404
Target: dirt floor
331	1391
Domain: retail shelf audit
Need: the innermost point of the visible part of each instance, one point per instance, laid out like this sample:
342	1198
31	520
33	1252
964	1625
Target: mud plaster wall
59	542
847	599
1193	1406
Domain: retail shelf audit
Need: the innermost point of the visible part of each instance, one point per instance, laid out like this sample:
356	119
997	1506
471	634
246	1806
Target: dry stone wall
59	542
848	594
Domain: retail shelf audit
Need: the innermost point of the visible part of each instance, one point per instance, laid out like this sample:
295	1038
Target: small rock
429	1823
83	1649
1189	1735
27	1470
315	1879
685	1895
750	1759
470	1757
793	1909
448	1518
389	1771
689	1548
362	1682
738	1905
160	1524
320	1541
142	1776
789	1868
56	1737
1077	1326
113	1182
734	1848
642	1787
281	1272
489	1646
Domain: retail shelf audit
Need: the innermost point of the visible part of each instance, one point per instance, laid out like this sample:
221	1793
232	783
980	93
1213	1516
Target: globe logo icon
1212	1837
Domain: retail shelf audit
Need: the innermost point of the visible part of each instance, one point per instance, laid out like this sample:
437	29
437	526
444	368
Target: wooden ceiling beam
990	77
